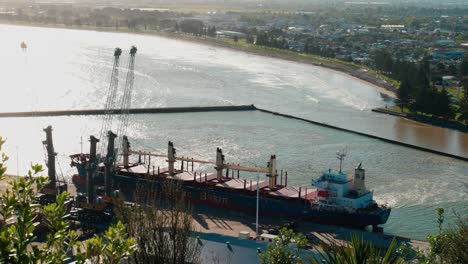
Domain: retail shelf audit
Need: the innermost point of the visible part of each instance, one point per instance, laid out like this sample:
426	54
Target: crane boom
110	102
127	95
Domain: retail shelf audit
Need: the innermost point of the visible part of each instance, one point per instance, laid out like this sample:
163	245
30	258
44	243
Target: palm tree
357	252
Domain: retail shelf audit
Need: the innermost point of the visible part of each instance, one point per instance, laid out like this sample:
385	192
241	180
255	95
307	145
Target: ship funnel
91	169
219	164
171	157
359	179
272	174
49	145
125	150
109	162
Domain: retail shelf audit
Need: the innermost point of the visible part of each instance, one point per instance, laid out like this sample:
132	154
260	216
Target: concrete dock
210	220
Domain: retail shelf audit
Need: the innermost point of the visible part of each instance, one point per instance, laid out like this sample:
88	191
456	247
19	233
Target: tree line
311	47
271	40
417	91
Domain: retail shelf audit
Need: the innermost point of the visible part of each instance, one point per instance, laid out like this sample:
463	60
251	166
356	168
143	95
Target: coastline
425	120
336	66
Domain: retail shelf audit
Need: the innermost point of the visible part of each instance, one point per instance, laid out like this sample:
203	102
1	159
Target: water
70	69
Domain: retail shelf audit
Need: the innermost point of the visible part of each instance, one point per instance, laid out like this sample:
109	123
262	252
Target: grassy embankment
409	113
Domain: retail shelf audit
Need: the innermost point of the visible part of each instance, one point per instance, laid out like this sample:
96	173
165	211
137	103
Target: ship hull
245	201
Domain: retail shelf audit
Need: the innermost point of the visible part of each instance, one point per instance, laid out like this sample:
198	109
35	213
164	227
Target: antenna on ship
81	145
341	154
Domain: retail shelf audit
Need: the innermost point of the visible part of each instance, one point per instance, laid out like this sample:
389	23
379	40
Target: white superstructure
336	189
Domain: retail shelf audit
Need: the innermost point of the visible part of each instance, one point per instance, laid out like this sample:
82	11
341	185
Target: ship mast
109	163
257	206
49	145
92	166
219	164
171	158
341	154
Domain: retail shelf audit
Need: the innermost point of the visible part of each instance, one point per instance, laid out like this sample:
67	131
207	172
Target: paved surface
209	220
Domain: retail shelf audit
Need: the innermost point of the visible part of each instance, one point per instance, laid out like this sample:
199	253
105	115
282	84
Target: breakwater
162	110
229	108
366	135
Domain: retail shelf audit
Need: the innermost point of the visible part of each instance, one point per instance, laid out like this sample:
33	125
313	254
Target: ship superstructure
336	189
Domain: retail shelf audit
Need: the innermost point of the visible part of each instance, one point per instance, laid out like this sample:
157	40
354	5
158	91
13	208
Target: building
217	248
448	55
230	34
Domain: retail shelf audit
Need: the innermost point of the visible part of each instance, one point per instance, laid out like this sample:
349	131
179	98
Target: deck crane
54	187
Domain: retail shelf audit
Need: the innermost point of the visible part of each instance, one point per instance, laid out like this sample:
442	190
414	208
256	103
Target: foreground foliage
280	251
162	225
21	216
455	242
356	252
359	251
449	245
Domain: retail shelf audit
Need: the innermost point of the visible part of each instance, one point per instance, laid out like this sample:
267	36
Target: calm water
65	69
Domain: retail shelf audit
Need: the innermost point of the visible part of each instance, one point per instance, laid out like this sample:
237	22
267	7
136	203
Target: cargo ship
334	198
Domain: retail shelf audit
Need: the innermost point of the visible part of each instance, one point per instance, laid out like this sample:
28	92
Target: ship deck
293	192
238	184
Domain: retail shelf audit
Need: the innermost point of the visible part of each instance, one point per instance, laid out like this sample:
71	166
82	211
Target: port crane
126	100
110	101
92	207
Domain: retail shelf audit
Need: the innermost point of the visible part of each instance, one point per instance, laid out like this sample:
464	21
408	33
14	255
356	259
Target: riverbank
424	119
381	83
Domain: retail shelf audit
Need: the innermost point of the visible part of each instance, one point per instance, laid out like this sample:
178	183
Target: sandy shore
349	70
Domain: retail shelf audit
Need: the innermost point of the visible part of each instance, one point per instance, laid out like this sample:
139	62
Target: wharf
210	220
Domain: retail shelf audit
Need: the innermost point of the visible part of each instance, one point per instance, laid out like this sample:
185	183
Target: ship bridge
337	177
